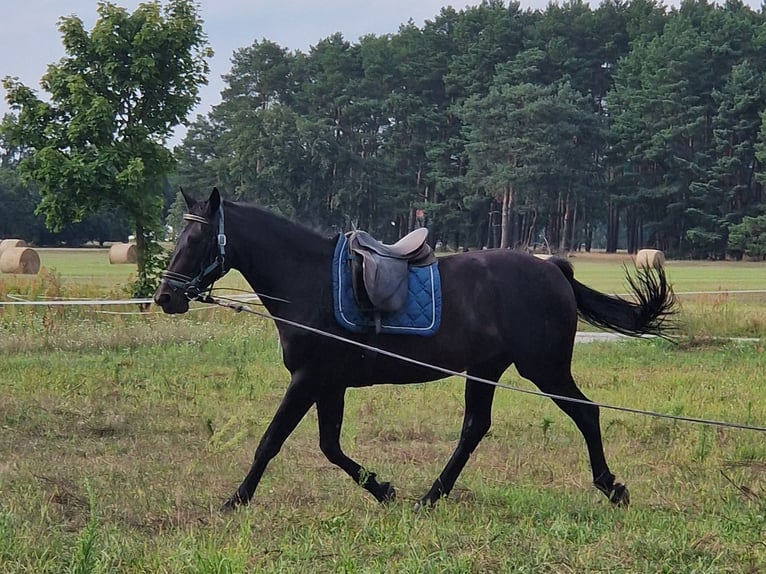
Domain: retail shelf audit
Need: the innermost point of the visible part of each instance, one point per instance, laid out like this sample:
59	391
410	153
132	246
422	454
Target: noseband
190	286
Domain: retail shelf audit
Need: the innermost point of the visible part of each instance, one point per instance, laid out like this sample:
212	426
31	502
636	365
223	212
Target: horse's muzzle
170	300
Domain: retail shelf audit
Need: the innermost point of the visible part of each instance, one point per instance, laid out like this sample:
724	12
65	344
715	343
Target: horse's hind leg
586	416
330	416
476	423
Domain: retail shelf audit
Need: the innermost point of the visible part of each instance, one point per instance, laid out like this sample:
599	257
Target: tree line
628	125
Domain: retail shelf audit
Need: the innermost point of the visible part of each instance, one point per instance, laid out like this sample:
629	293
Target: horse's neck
280	261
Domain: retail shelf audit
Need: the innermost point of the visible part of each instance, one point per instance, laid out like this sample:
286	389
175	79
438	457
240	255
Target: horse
500	307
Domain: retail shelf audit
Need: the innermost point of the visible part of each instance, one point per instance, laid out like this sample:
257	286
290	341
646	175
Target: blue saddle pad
420	316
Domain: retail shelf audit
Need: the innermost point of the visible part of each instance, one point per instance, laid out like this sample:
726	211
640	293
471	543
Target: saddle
379	272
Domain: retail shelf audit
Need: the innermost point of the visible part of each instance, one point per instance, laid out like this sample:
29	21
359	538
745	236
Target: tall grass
120	435
85	558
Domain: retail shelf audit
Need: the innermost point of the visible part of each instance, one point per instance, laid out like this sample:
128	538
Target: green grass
121	435
608	274
86	266
708	292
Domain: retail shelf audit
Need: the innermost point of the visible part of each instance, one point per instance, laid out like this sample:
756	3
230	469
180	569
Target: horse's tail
650	313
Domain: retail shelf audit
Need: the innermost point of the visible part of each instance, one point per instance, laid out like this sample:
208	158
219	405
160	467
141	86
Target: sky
30	39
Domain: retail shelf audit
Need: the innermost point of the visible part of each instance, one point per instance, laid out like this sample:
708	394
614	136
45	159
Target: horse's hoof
232	503
389	493
620	496
424	504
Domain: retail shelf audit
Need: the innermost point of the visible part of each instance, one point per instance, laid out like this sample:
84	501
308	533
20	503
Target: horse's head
198	258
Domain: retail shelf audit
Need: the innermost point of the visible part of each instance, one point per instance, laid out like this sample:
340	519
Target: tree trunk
632	226
531	228
573	243
505	216
140	251
565	222
495	223
612	226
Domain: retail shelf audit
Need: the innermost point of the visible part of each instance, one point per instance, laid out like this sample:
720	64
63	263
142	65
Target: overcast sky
30	39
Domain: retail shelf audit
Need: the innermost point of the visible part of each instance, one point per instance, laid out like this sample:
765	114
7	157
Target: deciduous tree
113	100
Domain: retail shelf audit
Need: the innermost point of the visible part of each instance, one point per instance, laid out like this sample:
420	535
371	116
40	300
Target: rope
240	308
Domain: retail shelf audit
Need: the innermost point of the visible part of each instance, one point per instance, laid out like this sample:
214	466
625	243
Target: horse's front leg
330	415
295	404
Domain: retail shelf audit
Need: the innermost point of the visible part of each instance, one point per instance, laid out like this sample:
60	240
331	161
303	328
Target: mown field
120	435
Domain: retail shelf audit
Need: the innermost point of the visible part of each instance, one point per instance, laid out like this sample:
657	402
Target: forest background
624	126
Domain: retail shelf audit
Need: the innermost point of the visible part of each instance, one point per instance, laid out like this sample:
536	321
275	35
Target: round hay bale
8	243
650	258
24	260
123	253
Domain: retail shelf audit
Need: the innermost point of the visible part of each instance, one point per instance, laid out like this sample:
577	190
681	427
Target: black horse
500	307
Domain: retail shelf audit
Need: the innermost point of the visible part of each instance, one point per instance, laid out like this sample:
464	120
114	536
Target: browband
192	217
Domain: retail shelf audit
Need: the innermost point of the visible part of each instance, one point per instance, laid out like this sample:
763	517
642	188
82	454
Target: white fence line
19	301
581	336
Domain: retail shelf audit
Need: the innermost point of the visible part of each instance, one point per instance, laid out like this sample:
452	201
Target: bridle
191	286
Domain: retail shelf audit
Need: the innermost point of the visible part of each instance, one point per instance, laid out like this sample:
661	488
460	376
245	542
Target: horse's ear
189	201
214	201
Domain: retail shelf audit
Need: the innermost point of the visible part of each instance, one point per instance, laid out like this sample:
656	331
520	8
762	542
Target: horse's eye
190	239
195	239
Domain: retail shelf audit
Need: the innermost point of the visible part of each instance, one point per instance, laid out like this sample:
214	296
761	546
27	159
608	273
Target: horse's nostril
161	298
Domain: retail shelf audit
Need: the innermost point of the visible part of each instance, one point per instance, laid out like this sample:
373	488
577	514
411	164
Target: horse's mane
275	222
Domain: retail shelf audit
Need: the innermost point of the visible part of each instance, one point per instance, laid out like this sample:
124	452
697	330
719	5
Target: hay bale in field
9	243
23	260
123	253
650	258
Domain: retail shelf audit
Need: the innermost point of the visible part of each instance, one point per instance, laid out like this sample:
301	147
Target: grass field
120	435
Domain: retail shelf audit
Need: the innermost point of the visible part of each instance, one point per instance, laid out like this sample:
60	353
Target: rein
191	285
